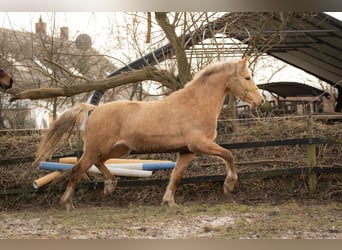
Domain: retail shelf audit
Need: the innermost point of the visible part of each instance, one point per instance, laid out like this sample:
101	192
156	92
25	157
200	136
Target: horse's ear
244	61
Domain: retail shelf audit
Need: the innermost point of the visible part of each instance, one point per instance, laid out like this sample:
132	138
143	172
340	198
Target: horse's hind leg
76	173
117	151
110	182
176	176
211	148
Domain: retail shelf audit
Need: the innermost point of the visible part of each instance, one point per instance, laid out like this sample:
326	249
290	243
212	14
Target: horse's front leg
230	180
176	176
211	148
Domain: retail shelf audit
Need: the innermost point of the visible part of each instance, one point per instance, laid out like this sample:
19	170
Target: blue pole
54	166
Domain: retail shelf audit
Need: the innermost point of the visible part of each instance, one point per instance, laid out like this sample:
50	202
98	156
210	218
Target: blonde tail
61	130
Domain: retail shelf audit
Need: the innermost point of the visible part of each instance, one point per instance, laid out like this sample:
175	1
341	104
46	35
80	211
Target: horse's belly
157	143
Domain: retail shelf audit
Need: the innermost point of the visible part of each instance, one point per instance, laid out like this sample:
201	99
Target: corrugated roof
309	41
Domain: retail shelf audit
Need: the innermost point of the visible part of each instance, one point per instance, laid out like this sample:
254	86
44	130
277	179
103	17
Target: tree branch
66	70
151	73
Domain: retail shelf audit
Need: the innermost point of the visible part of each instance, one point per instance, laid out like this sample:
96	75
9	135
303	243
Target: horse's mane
207	71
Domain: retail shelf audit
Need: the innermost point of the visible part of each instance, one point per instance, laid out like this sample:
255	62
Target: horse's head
6	80
243	86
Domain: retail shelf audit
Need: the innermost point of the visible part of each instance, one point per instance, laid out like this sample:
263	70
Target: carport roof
292	89
311	42
318	50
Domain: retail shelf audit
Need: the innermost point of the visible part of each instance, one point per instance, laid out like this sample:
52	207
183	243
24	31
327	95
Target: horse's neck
208	96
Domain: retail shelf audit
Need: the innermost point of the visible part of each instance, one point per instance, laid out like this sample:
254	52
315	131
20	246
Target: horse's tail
61	130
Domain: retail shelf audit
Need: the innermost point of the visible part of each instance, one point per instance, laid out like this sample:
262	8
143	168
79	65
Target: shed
295	97
293	89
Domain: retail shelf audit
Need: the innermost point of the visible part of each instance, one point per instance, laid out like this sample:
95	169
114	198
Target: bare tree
208	43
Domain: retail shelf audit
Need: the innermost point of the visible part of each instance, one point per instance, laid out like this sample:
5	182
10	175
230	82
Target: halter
246	90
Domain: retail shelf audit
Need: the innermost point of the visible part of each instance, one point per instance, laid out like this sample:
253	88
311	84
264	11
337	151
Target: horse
185	119
6	80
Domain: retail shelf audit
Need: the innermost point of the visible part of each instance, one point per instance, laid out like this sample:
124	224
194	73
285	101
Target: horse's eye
247	78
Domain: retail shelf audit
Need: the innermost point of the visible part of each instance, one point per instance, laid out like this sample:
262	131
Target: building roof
292	89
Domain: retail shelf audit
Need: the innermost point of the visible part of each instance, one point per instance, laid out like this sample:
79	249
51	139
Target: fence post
311	151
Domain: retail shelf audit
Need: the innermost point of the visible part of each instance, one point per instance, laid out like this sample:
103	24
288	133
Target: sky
99	25
103	27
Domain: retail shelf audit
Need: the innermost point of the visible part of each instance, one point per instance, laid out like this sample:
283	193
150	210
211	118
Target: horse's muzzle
258	104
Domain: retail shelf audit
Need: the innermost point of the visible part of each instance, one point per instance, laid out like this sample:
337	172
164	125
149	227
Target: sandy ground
189	221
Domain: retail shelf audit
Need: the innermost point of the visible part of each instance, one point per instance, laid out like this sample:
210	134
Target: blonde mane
207	71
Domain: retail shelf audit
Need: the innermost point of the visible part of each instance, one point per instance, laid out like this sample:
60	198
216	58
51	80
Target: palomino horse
186	119
6	80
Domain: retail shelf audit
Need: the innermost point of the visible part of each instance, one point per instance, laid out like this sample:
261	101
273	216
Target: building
28	56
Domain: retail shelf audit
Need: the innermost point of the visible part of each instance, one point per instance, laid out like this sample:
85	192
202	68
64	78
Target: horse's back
135	111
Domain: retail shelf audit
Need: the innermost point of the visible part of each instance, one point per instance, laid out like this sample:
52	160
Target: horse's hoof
228	186
229	198
69	207
171	204
109	187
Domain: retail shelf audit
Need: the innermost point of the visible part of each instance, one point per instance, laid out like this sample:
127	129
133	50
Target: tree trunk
184	73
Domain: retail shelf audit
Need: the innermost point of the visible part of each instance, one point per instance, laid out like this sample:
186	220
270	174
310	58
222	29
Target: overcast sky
96	24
